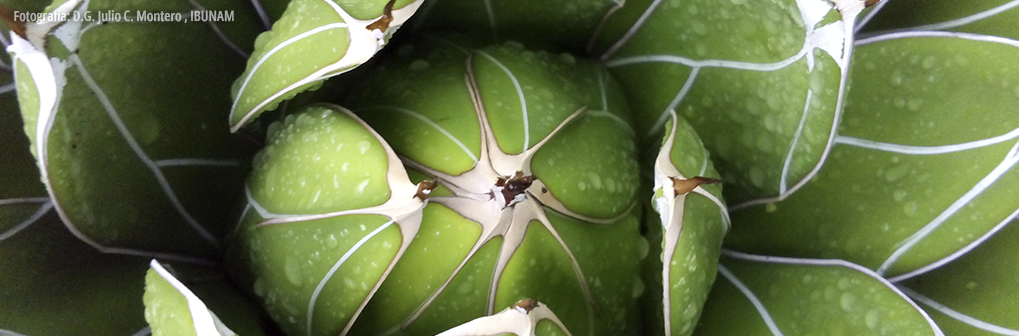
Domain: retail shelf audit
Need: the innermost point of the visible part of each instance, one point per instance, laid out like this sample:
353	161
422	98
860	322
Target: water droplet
847	300
419	65
567	58
360	187
292	269
638	288
895	173
642	248
871	319
363	146
899	195
914	104
331	242
911	208
595	180
259	287
928	62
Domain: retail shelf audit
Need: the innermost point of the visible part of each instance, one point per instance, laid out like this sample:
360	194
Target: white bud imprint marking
836	39
204	320
671	208
48	76
521	319
958	316
363	45
402	208
476	198
836	263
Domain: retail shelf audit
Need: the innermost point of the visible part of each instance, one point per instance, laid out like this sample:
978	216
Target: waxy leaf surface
924	162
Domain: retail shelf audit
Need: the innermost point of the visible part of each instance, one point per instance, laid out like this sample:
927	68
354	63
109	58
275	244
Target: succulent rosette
523	195
495	167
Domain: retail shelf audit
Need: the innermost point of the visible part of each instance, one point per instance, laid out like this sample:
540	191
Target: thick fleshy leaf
321	190
975	294
487	144
991	17
173	310
50	282
525	318
691	221
127	134
312	41
551	125
757	295
924	163
566	25
761	81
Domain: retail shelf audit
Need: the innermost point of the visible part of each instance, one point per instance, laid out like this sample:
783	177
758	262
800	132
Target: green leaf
127	134
50	282
761	82
759	295
312	41
518	118
173	310
560	26
991	17
525	318
692	219
974	292
924	163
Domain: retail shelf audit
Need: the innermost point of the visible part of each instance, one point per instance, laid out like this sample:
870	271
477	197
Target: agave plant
451	167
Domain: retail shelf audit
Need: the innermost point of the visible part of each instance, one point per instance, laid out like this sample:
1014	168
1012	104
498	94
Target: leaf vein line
329	275
164	184
763	311
969	320
1011	159
429	122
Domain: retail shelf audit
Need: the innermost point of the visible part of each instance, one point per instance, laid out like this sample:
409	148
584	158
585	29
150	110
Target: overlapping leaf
173	308
692	219
924	162
126	133
759	295
485	191
50	282
974	295
761	82
312	41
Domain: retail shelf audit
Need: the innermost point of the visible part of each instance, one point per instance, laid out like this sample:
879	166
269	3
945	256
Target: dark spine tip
387	17
425	188
684	186
7	16
526	304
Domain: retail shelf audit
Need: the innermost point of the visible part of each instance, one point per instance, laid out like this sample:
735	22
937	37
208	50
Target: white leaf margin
205	321
362	47
813	262
521	319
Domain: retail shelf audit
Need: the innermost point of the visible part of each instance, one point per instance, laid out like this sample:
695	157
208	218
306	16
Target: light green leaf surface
476	246
688	230
974	294
526	318
991	17
758	295
566	25
126	122
761	82
924	163
312	41
173	310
